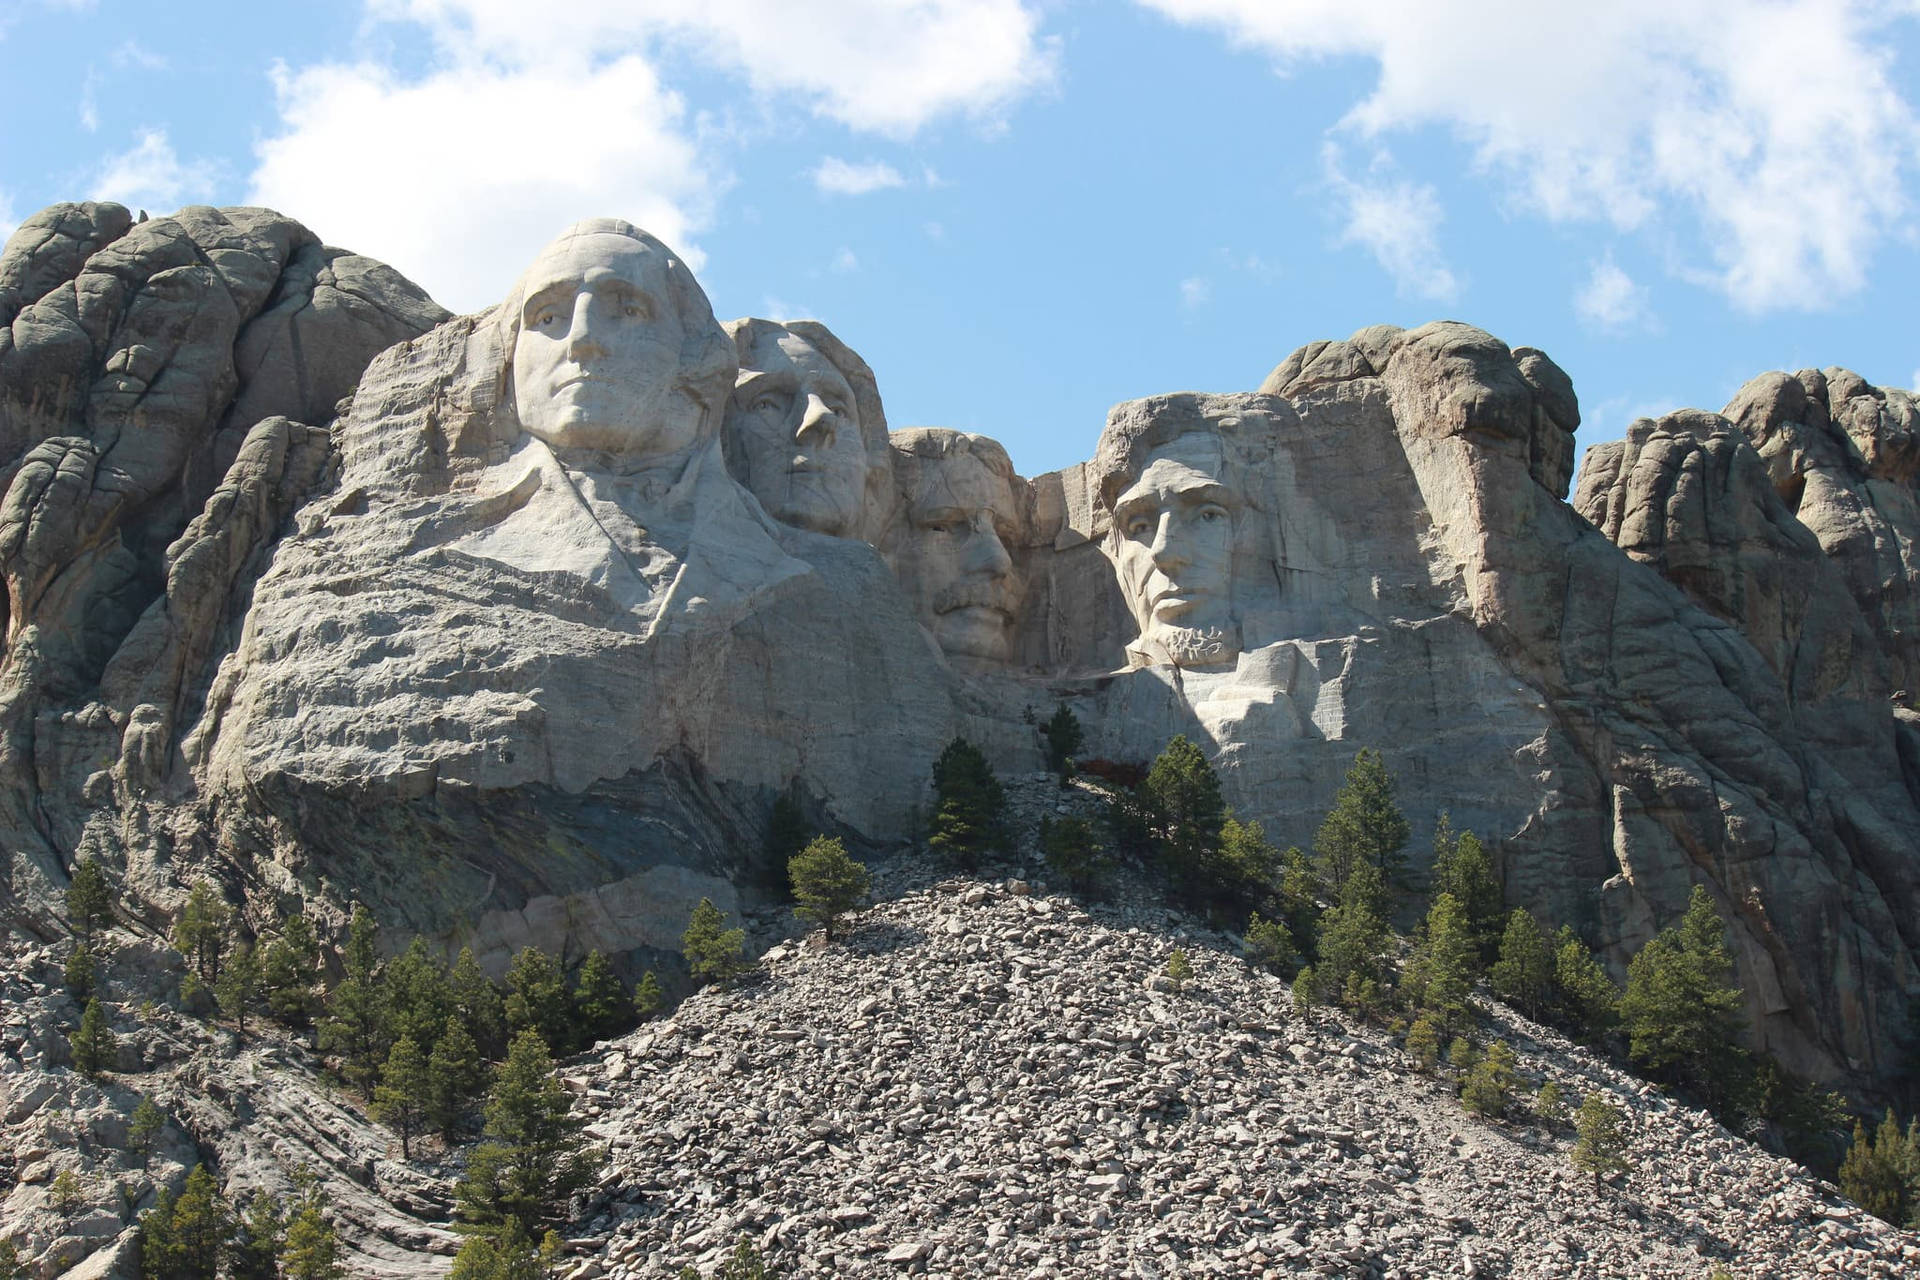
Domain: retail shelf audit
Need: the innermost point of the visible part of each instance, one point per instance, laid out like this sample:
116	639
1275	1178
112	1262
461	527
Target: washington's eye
544	318
1138	526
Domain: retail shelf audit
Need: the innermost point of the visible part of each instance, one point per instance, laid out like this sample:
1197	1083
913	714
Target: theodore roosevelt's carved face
1172	544
596	364
793	436
959	516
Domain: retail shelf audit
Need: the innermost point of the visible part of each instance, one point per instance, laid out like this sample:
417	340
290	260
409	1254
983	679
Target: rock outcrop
514	626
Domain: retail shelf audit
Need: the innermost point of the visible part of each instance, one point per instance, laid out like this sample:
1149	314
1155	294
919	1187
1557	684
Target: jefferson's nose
816	423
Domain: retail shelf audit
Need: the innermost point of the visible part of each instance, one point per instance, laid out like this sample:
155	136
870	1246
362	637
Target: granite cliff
514	626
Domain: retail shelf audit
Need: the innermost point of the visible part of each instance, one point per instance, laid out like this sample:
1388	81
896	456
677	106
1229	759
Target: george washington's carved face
596	364
1172	544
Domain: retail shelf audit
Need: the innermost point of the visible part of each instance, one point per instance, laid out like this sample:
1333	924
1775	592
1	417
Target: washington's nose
583	338
816	423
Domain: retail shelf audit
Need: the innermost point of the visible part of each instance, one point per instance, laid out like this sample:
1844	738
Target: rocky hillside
982	1080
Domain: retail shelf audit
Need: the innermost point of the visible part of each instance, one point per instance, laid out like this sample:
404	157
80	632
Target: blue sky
1022	211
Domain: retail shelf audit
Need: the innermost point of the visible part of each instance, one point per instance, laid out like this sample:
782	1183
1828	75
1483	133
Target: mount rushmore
514	626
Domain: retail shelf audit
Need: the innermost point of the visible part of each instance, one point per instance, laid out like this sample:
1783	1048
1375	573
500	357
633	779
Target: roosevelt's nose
816	423
986	554
583	333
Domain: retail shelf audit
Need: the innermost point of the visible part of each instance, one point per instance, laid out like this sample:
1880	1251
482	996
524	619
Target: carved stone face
952	557
1172	545
793	435
597	361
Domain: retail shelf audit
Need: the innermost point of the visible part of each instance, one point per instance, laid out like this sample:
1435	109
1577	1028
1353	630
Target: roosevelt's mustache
993	593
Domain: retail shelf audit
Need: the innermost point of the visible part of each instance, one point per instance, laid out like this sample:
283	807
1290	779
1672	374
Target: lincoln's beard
1197	646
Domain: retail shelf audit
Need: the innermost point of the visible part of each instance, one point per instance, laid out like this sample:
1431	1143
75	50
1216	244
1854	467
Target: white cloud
9	220
936	231
834	176
151	176
1194	292
132	54
1915	384
1610	300
1396	221
1773	130
845	261
458	179
90	101
780	310
885	66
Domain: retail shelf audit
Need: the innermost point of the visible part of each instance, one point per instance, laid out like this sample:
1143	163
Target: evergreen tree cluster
200	1235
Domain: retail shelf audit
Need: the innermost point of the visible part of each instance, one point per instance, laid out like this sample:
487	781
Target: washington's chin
580	430
975	632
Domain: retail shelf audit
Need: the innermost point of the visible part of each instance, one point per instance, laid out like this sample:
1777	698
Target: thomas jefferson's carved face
597	362
1172	545
953	560
793	433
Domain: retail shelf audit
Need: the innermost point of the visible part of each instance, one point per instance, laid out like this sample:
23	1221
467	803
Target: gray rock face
522	644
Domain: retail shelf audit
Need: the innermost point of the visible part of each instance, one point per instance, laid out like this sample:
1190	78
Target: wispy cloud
780	309
150	175
1398	222
1610	300
834	176
846	261
9	221
1195	291
1770	138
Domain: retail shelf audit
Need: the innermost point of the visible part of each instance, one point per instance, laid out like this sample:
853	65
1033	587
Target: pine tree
1587	1000
745	1263
1523	975
1299	901
1489	1086
647	999
455	1079
202	932
356	1019
1179	968
1364	827
66	1195
1879	1173
1549	1105
538	1000
12	1265
144	1129
418	999
1073	852
827	883
969	804
534	1160
89	901
287	968
509	1255
601	1004
1186	813
1244	865
94	1045
400	1099
255	1253
1305	993
1462	867
239	985
1680	1010
1463	1055
1600	1145
477	1003
1270	946
311	1250
713	954
1353	937
1423	1043
78	972
186	1239
1440	975
1064	738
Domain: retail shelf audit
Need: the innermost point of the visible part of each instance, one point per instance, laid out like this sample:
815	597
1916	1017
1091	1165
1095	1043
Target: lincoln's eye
767	402
1211	514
